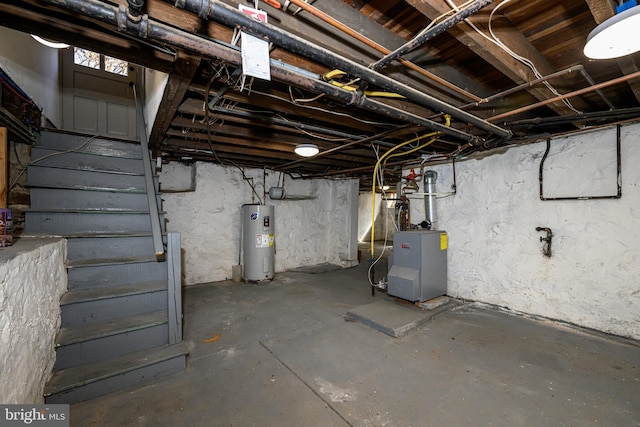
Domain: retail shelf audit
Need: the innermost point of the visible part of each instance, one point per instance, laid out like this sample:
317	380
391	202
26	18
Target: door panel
85	115
98	102
118	123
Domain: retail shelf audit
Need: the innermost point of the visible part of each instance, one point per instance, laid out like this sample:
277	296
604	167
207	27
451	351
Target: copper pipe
565	96
580	68
347	30
523	86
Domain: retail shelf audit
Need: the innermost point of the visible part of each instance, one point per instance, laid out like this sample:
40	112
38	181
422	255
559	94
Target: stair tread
71	133
89	235
87	188
58	151
70	378
110	261
77	196
88	211
89	169
95	294
74	335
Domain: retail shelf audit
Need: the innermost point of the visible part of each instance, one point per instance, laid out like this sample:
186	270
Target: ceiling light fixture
615	37
50	43
306	150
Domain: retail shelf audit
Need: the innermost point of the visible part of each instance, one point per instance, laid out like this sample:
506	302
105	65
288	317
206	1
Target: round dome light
306	150
615	36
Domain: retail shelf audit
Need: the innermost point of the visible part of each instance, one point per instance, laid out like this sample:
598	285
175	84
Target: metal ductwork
429	185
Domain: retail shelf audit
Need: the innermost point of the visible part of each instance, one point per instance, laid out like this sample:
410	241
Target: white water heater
258	243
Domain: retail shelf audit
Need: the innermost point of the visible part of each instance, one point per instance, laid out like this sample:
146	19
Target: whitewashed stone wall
383	217
365	216
32	280
318	226
593	276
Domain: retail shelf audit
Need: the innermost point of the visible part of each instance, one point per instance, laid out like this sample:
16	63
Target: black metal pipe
455	183
579	68
546	248
589	80
147	28
135	9
227	15
223	90
362	101
429	33
620	114
282	122
618	177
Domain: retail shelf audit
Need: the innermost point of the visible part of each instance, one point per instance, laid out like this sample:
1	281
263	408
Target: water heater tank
258	242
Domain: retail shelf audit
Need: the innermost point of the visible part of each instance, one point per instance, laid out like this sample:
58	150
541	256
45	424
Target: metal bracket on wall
618	177
546	248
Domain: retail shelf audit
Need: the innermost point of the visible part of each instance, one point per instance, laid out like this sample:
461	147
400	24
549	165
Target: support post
174	290
4	168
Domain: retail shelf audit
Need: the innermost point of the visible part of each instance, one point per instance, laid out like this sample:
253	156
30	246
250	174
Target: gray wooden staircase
121	317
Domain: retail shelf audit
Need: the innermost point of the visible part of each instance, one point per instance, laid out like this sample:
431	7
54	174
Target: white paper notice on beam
255	51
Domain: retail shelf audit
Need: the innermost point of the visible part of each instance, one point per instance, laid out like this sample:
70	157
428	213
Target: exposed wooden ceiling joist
260	127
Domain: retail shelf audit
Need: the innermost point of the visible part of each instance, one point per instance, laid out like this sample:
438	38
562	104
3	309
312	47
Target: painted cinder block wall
495	255
203	203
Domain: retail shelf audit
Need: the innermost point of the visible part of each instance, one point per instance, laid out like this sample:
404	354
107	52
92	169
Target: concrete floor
287	356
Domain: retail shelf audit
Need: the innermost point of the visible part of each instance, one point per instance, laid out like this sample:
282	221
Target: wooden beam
258	153
247	130
325	118
629	65
288	133
268	148
349	14
180	78
81	32
493	54
4	168
165	12
601	9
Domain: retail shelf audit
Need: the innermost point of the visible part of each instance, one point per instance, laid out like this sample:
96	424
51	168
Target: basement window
94	60
86	58
116	66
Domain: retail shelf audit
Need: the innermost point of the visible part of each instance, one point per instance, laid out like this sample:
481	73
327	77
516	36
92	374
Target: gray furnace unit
418	265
